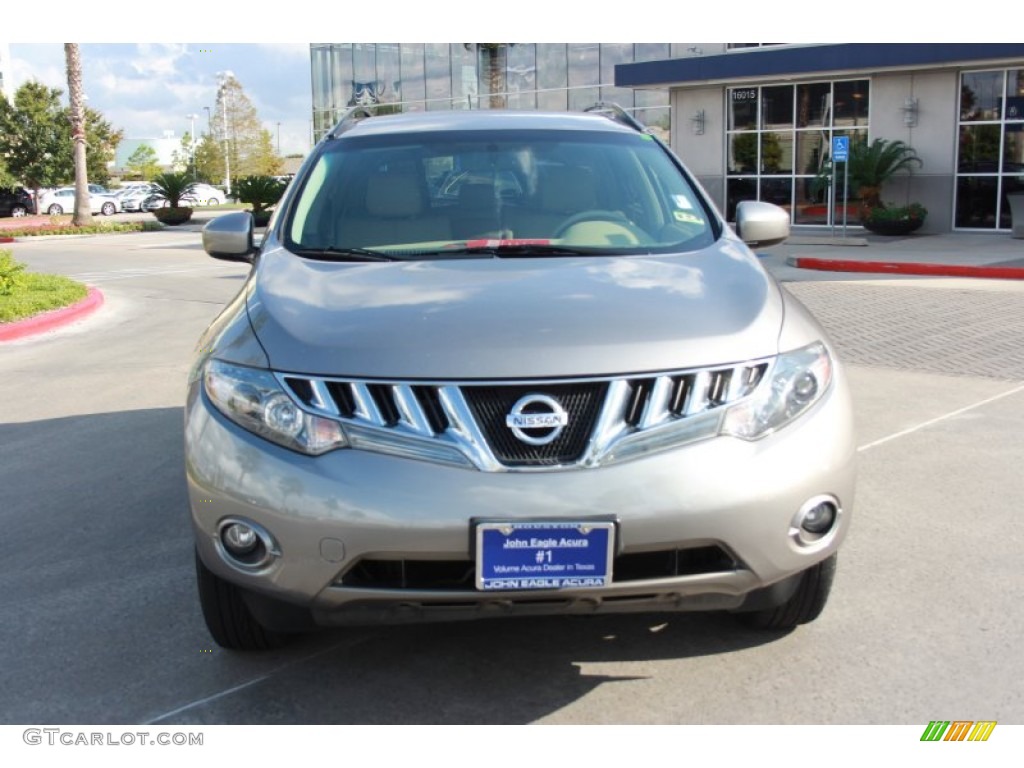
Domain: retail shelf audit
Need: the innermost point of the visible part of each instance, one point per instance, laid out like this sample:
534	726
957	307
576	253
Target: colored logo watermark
958	730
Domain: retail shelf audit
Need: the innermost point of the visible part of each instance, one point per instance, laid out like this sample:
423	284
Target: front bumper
334	513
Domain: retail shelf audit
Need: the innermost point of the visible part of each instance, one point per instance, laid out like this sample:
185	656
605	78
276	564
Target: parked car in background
62	200
15	201
205	194
133	197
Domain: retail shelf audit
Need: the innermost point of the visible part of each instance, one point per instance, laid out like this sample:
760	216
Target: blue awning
785	61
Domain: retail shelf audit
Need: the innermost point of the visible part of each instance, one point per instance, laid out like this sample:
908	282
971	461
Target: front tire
804	606
108	209
19	211
228	617
55	210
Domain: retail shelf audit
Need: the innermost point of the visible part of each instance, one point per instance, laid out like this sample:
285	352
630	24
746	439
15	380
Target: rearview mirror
761	224
230	237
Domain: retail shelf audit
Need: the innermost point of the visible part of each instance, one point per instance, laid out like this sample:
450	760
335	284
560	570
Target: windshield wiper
330	253
519	248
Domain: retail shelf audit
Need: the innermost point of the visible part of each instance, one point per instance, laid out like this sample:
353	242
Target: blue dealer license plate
534	555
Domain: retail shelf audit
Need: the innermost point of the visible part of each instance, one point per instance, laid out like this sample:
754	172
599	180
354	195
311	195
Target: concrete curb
907	268
56	318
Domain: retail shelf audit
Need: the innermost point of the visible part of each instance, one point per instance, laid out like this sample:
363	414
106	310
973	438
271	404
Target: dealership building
752	121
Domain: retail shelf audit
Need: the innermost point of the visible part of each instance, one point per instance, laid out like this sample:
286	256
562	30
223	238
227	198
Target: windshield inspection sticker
681	201
689	218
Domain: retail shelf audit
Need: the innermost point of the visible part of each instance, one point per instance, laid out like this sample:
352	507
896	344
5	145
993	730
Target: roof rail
348	121
613	111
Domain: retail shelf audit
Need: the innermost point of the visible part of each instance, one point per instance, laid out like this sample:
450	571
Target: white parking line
937	419
131	272
242	686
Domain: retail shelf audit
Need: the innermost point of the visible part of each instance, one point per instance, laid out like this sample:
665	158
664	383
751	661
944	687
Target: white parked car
62	200
205	194
133	197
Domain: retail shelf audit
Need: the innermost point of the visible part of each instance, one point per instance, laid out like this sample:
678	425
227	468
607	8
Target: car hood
514	318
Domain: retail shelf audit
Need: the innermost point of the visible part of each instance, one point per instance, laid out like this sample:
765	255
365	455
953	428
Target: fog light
239	539
245	545
814	525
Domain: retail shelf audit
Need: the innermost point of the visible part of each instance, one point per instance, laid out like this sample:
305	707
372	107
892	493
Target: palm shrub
172	187
872	165
261	192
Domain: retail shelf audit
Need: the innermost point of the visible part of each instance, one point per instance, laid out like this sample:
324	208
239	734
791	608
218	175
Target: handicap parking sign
840	149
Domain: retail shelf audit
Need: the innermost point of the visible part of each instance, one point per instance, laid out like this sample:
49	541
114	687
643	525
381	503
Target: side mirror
230	237
761	224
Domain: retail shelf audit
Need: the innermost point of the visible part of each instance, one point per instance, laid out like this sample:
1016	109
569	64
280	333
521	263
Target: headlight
797	380
254	400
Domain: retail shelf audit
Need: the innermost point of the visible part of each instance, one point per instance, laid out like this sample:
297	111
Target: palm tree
73	58
172	187
872	165
261	192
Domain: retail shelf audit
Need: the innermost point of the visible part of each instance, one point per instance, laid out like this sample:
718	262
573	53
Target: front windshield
520	192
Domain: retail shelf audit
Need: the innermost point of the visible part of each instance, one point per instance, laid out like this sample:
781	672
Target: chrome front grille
490	405
608	419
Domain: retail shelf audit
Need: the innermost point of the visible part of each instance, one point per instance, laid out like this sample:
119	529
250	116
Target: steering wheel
615	217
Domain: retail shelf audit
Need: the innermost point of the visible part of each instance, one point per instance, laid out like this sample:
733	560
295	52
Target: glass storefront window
651	51
976	198
438	74
777	152
811	204
778	191
736	191
782	135
584	70
414	84
612	54
342	76
979	149
981	94
812	150
365	86
813	104
743	109
419	76
1013	149
742	154
522	76
465	84
777	107
850	103
552	76
990	150
389	78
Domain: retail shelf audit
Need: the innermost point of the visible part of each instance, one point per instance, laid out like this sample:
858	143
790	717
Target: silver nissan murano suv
495	363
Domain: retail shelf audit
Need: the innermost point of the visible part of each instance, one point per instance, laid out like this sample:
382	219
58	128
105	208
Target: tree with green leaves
36	144
143	164
182	158
236	126
35	137
264	161
209	159
7	179
76	112
101	145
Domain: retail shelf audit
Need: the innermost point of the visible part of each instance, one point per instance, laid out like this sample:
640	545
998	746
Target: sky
149	88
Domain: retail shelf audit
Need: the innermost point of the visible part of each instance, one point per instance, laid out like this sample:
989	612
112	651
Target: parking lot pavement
101	623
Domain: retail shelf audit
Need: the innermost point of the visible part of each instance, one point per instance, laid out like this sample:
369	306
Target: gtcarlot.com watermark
71	738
